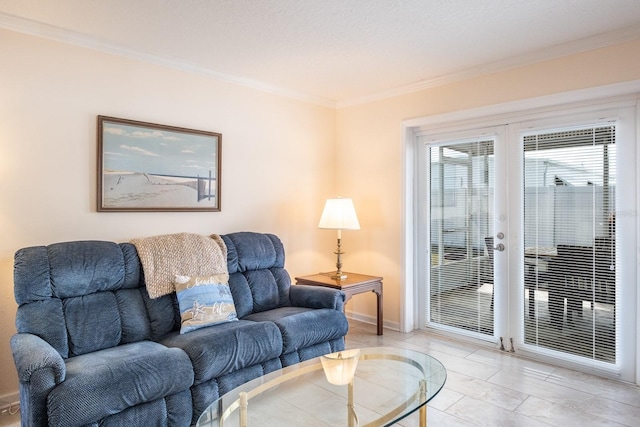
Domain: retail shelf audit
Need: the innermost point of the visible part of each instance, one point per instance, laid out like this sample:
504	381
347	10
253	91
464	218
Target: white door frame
603	97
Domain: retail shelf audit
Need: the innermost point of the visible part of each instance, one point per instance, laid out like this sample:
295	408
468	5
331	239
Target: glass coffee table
389	384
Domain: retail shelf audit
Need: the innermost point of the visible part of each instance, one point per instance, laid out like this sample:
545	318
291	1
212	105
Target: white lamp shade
339	368
339	214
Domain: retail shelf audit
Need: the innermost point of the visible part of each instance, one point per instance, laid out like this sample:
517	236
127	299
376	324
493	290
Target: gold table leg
351	409
423	408
244	402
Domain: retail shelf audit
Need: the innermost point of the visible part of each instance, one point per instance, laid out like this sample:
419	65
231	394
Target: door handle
499	247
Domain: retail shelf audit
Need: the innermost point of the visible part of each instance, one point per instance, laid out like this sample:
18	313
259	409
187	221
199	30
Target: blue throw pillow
204	301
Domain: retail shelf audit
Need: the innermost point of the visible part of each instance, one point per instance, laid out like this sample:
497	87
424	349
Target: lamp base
338	275
335	275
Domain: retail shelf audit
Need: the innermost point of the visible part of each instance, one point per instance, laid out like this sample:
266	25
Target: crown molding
29	27
578	46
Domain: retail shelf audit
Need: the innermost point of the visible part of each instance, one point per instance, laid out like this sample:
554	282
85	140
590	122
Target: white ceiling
333	52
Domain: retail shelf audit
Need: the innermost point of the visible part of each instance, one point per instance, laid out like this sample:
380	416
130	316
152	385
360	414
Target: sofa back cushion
81	296
257	276
86	296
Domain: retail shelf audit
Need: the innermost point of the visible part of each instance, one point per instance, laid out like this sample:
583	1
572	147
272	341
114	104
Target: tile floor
10	420
491	388
488	387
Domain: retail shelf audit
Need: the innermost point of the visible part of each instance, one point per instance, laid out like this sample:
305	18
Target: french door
460	207
518	224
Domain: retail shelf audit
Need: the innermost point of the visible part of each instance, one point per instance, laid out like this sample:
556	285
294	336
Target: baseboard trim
372	320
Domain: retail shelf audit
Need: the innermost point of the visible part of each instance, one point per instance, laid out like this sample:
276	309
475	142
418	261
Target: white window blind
569	239
460	213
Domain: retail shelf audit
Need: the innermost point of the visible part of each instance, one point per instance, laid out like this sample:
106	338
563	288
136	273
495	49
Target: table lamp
339	214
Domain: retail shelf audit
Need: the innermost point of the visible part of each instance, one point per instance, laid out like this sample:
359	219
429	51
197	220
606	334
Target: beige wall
277	157
371	151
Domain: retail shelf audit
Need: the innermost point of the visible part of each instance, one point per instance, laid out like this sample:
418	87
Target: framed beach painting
146	167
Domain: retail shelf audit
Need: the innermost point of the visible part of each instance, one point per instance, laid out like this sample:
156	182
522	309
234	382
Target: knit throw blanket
185	254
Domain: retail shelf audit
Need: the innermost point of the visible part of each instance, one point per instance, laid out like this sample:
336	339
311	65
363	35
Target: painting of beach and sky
148	167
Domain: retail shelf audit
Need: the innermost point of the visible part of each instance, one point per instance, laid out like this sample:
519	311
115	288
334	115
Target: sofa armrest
40	368
31	353
316	297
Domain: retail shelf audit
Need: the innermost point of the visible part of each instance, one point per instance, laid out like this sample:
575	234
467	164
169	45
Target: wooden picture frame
147	167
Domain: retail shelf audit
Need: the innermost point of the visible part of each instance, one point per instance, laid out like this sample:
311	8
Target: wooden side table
353	284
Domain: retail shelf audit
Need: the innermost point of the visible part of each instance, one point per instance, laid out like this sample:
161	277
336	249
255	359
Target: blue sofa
93	349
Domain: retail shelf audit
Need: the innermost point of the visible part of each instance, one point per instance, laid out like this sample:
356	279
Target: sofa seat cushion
220	349
174	410
109	381
303	327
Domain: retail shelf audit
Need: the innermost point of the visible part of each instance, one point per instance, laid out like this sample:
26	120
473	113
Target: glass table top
389	384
